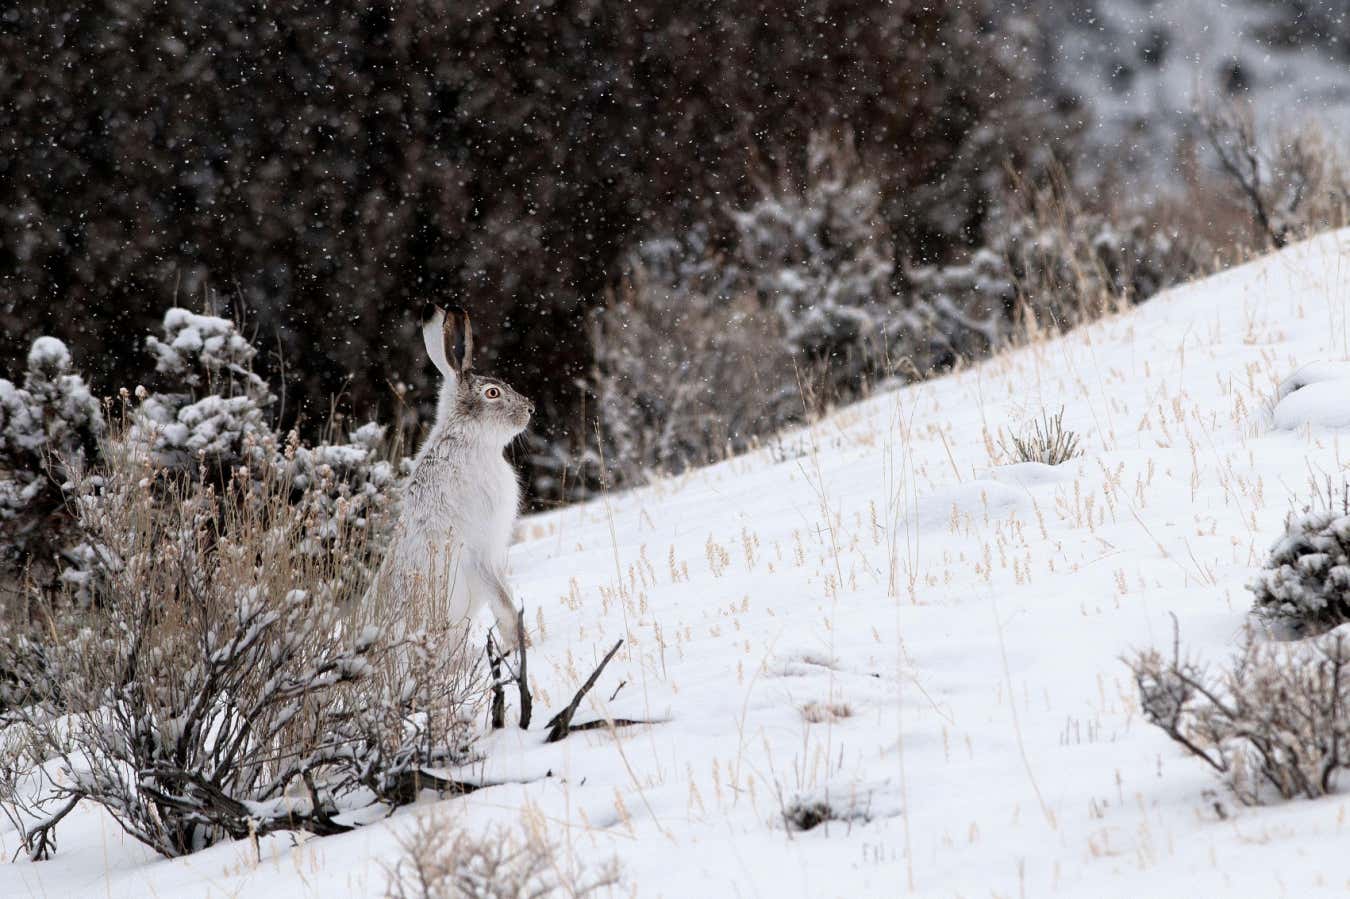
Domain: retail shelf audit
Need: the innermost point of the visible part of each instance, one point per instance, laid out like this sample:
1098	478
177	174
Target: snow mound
949	508
1030	475
1317	395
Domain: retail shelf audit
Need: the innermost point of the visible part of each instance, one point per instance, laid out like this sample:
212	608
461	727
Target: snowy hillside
878	616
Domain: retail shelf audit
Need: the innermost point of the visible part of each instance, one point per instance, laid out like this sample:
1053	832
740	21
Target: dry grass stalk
441	862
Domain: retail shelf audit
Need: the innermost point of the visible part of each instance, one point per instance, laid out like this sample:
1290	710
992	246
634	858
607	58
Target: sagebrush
227	682
205	414
1275	721
712	344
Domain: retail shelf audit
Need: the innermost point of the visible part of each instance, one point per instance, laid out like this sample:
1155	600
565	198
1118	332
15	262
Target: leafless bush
683	376
1294	188
1046	442
217	689
1052	260
1277	720
441	862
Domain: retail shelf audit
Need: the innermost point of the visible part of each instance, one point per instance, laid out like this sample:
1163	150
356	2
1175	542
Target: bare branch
560	725
40	839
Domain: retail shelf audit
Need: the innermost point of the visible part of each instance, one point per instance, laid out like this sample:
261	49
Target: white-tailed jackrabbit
461	501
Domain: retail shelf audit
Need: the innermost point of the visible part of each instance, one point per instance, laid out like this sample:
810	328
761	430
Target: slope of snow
963	619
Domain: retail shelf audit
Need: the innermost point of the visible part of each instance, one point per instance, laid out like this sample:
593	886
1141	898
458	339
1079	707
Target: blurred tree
327	167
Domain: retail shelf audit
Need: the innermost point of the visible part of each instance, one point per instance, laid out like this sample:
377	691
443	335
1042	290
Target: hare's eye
492	393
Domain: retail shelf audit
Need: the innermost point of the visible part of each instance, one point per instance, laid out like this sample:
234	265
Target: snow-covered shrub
209	400
958	311
342	486
1305	584
1048	264
26	677
207	415
1090	259
442	861
818	255
211	409
49	427
1277	720
683	377
220	689
1136	259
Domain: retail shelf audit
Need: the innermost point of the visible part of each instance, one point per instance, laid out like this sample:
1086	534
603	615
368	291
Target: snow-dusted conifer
49	427
1306	582
211	401
818	255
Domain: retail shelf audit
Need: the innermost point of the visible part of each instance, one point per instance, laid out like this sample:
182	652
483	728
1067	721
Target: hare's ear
459	339
449	339
433	335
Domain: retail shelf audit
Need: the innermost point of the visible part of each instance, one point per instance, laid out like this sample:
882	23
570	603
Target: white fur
433	335
459	509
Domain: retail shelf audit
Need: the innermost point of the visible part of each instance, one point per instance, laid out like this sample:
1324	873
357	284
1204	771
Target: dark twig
607	722
560	725
522	681
498	691
404	788
40	839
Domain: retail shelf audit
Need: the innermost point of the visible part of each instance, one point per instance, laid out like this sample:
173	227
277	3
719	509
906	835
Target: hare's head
468	399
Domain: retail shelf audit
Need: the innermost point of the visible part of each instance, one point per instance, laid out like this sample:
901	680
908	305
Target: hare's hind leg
507	615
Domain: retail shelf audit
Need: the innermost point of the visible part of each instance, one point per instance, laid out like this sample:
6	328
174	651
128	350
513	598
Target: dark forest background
320	170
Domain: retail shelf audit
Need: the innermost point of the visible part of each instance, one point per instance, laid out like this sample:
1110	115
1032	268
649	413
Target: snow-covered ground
879	614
